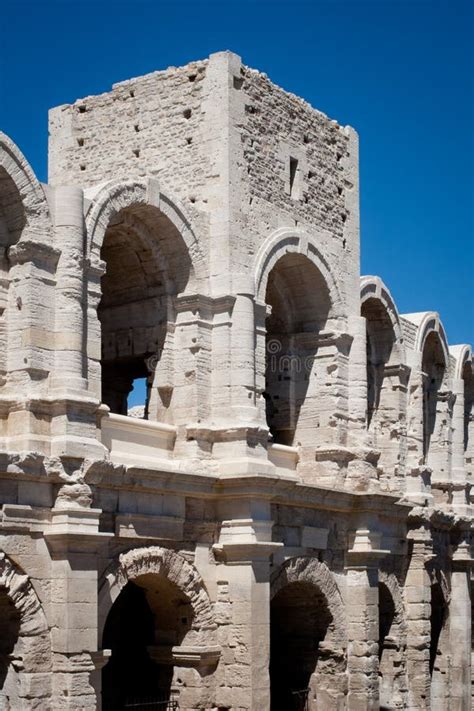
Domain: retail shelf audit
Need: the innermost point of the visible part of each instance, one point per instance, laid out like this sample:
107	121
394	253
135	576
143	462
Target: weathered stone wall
160	116
293	517
294	165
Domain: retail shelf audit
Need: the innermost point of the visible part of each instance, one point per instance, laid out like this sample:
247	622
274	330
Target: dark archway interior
389	649
147	264
9	632
148	618
386	617
438	618
468	377
299	301
433	367
299	621
129	631
12	223
380	346
12	211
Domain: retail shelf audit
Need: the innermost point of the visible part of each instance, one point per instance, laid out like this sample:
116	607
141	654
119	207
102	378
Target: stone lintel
245	552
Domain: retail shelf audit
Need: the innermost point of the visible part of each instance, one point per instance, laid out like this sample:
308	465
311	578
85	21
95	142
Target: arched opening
149	617
381	352
438	626
433	368
384	408
9	635
468	377
12	223
147	265
298	302
299	622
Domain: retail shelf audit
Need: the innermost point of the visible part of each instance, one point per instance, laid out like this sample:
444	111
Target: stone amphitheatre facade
288	525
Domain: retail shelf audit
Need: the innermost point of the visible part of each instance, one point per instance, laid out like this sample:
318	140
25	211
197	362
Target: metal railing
300	700
151	704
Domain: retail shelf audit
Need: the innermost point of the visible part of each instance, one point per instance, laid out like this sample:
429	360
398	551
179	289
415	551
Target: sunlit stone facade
287	518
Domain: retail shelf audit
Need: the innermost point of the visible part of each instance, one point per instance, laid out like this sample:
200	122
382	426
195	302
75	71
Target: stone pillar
418	610
94	272
29	352
73	423
362	605
69	234
440	449
239	436
261	311
243	608
74	541
180	383
242	354
418	475
460	630
358	381
458	471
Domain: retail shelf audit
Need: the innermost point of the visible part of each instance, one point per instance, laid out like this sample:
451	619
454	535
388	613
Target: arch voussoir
19	589
171	565
311	570
115	196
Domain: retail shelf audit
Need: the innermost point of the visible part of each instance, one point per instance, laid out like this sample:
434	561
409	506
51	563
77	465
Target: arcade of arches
232	475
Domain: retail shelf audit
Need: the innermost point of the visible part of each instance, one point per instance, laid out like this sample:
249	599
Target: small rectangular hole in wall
132	94
238	81
137	128
187	113
82	109
83	167
192	77
293	172
80	141
136	153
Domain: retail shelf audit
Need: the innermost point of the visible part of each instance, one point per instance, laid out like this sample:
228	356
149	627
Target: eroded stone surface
287	514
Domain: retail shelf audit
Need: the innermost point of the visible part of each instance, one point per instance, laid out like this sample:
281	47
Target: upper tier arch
173	566
428	322
372	287
109	199
293	241
462	355
29	204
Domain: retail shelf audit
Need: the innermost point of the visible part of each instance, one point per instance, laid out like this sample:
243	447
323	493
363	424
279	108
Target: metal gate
151	704
300	700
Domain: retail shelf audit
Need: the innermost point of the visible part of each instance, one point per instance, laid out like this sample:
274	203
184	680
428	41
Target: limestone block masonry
285	521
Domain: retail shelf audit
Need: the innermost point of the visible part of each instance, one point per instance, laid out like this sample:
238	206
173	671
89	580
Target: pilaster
362	579
74	540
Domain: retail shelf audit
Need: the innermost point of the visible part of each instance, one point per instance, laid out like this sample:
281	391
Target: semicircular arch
161	562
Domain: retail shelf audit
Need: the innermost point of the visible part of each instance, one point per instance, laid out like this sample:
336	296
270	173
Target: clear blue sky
399	71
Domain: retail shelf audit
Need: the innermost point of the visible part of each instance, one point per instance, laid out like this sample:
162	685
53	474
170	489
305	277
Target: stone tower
288	521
